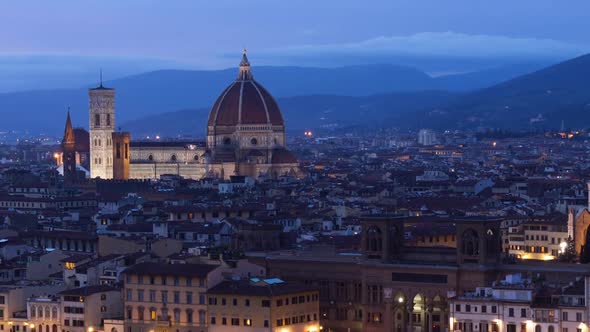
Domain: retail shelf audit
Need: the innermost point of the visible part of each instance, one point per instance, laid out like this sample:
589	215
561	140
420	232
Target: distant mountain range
541	99
333	94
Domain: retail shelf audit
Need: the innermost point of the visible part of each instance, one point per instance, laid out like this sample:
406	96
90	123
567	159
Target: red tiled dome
245	101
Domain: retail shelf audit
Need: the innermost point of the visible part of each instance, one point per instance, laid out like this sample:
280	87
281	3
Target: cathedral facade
245	136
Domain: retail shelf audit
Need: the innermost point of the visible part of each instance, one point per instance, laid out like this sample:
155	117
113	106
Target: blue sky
153	34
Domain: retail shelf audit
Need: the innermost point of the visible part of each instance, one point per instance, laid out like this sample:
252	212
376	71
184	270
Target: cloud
443	44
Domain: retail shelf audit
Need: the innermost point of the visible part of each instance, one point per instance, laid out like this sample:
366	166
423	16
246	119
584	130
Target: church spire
69	131
244	74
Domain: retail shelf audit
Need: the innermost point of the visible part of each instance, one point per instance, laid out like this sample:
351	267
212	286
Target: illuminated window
247	322
153	314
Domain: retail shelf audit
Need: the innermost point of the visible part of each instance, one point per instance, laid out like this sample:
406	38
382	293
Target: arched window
150	157
196	158
54	313
47	312
538	328
254	141
374	240
173	158
550	328
226	141
470	243
54	328
189	315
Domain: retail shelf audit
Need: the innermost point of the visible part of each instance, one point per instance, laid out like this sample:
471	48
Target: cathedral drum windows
254	141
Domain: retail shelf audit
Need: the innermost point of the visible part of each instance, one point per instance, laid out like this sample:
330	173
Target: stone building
392	286
245	136
263	305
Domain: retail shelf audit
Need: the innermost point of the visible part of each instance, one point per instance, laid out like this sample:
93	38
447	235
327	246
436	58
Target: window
189	315
96	120
247	322
189	298
494	309
484	309
265	303
189	282
279	302
152	280
564	316
235	302
247	302
108	119
279	322
152	314
523	312
457	307
164	297
176	297
103	308
235	321
152	296
223	321
177	315
468	308
212	320
266	323
176	281
578	316
140	295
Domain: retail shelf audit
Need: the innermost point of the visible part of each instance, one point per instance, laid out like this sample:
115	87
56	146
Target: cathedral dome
245	102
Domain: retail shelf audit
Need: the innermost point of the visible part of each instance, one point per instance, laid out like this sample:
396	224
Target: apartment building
520	305
85	309
263	305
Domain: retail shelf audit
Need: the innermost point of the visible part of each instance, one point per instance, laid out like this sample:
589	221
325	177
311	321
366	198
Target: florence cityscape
294	166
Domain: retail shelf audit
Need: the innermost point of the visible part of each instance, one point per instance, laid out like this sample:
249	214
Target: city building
517	304
245	136
263	305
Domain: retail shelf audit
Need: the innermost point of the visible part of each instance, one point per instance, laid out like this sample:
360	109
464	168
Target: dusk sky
150	34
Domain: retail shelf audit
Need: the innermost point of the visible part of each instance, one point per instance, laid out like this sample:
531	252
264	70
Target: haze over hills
554	94
164	91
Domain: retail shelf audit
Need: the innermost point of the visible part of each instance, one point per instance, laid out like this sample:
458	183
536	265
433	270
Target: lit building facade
263	305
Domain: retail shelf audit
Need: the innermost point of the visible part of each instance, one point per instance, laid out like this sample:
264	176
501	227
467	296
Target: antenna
101	77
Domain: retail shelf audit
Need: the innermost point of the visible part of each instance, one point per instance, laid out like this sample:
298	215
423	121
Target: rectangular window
265	303
96	120
108	119
189	298
118	150
523	312
176	297
235	321
510	312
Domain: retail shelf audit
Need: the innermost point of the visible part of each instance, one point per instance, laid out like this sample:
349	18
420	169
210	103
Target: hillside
559	92
305	112
157	92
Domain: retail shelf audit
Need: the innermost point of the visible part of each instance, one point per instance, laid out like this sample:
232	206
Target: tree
569	253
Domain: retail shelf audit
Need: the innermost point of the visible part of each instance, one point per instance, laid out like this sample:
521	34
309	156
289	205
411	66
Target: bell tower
102	126
68	145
